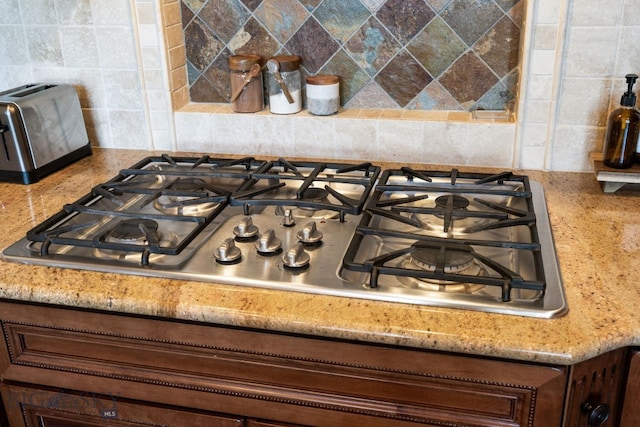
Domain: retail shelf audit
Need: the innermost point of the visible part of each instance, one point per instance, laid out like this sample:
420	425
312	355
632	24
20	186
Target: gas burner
307	213
177	200
134	232
452	261
457	202
315	194
451	214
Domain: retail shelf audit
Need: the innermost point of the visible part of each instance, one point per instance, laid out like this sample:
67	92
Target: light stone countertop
597	242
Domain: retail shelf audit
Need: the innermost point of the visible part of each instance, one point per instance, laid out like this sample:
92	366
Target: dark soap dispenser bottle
623	129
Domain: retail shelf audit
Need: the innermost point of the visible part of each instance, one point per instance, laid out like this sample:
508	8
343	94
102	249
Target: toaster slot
4	129
30	91
15	155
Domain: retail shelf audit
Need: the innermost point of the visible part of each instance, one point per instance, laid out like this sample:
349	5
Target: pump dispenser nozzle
629	98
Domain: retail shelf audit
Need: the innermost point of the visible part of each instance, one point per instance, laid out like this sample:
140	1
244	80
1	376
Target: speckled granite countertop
597	241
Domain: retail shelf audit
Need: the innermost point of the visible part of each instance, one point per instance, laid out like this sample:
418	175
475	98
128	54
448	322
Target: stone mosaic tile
517	13
373	96
436	47
372	46
435	97
341	18
254	38
471	18
224	17
204	46
438	5
352	78
218	75
186	13
405	18
497	47
466	91
314	45
192	73
496	98
356	39
506	5
202	91
251	4
310	5
194	5
281	17
372	5
403	78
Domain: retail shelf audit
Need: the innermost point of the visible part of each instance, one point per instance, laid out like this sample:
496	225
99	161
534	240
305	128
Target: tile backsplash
396	54
128	60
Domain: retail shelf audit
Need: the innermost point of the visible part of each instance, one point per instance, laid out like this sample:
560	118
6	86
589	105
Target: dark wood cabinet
595	391
64	408
631	413
132	370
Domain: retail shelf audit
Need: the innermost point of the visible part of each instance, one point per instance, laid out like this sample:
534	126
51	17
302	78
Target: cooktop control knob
288	220
310	234
268	243
228	252
296	257
245	230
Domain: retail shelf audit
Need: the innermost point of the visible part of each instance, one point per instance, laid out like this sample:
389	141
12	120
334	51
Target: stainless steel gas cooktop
440	238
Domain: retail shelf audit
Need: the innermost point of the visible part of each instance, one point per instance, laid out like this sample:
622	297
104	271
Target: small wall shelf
611	180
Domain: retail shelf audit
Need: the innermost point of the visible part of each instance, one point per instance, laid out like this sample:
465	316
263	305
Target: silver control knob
310	233
296	257
288	220
268	243
227	252
245	229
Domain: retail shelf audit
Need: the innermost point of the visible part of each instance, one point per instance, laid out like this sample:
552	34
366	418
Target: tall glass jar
283	80
245	72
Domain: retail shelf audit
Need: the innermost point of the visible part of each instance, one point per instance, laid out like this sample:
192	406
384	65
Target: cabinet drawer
265	375
55	408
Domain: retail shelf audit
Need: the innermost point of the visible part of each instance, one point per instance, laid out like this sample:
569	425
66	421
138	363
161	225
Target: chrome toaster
41	131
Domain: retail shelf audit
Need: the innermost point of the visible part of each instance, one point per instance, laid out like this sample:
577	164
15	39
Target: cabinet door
596	382
631	409
32	407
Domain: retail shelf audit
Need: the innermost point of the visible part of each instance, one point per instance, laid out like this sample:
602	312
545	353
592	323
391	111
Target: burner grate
475	214
338	187
159	189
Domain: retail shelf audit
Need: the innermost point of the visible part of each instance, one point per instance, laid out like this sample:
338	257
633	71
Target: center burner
312	190
188	196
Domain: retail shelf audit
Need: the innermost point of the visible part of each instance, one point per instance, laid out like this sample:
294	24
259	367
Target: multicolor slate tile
497	47
352	77
283	18
372	47
403	78
470	19
341	18
224	17
436	47
448	54
405	18
314	45
465	90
